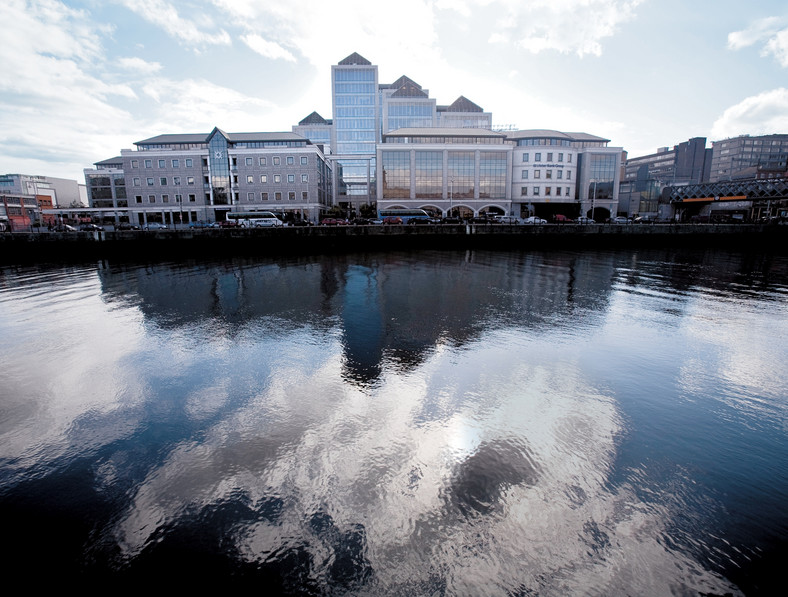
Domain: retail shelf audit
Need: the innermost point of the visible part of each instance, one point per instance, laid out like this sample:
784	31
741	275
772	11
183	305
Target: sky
82	80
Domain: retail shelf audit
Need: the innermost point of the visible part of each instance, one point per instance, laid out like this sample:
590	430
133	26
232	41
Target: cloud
565	26
267	48
164	15
772	32
139	65
762	114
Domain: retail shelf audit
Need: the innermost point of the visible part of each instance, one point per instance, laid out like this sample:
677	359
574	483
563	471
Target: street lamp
593	201
451	192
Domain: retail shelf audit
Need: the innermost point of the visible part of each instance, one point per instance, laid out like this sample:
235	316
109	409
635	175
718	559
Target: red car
392	220
561	218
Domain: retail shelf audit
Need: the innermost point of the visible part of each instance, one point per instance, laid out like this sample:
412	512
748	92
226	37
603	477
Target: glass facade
601	175
396	174
219	161
429	174
409	115
492	175
355	94
461	174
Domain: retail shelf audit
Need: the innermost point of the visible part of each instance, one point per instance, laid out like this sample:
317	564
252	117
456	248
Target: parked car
620	220
534	220
90	228
376	221
126	226
229	224
392	220
506	220
200	224
451	220
561	218
585	220
155	226
64	228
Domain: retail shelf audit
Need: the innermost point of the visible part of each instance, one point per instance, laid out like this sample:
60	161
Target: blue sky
84	79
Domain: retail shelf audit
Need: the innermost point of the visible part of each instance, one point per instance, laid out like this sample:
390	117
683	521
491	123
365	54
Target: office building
740	158
176	179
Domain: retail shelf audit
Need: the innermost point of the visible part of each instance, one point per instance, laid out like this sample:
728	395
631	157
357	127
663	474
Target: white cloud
164	15
762	114
566	26
267	48
139	65
772	32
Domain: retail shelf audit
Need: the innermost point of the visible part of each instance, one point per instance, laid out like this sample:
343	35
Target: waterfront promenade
26	246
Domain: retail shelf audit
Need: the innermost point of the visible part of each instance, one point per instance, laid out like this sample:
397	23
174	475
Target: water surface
428	423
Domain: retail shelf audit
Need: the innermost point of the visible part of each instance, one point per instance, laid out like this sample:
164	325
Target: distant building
740	158
62	191
646	176
317	129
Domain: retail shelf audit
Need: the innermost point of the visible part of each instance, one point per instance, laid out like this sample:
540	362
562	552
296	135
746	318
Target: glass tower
354	86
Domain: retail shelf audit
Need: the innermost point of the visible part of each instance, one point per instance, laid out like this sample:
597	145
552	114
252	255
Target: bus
405	215
254	219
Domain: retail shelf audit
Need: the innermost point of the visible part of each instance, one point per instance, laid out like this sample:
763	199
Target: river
403	423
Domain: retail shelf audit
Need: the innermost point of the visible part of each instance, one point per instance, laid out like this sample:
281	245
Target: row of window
176	180
549	156
189	162
548	191
192	198
548	174
250	197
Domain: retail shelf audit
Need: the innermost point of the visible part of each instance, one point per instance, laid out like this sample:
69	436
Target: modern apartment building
181	178
740	158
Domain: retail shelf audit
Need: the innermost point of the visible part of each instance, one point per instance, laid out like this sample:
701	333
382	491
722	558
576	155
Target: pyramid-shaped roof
404	80
409	90
462	104
314	118
355	58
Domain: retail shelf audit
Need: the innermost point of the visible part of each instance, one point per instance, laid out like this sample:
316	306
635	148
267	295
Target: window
148	163
136	182
150	182
178	198
560	174
250	196
560	157
165	198
176	180
263	178
250	179
536	191
549	156
151	198
189	162
524	191
569	175
304	196
548	173
569	157
291	195
305	178
304	160
547	191
264	196
163	181
525	175
234	162
290	160
162	163
277	178
276	160
291	178
176	163
248	161
558	191
278	196
138	198
190	180
525	157
205	180
538	157
262	161
537	174
567	191
192	198
135	164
